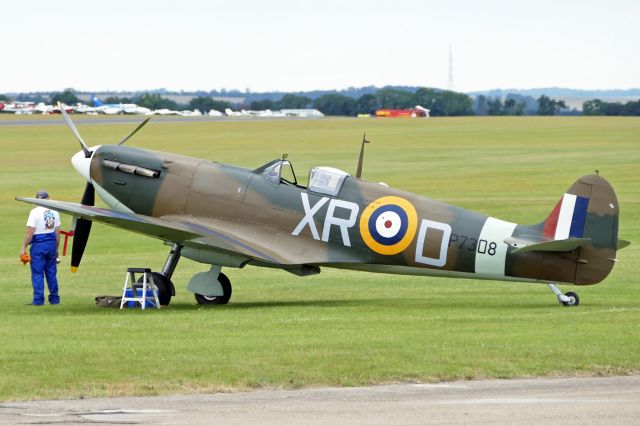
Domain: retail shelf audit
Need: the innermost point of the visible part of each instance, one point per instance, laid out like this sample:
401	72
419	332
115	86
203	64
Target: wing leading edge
247	240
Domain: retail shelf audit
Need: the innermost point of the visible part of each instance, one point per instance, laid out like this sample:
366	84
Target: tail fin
96	102
588	210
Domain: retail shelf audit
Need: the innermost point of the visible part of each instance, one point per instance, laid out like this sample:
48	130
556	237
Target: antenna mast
360	160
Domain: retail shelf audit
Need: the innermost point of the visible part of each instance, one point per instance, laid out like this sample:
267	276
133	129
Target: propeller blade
140	126
82	229
80	238
72	126
89	196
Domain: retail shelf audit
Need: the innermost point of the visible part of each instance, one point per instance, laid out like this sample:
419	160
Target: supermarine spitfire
227	216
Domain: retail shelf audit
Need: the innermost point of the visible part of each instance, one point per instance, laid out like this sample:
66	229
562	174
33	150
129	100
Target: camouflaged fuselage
365	226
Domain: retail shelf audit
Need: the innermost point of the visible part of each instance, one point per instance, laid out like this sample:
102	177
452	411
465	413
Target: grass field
339	327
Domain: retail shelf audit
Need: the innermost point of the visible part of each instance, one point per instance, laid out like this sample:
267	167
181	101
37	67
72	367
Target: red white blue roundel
388	225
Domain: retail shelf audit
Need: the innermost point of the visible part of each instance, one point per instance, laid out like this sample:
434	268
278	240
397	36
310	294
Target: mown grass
340	327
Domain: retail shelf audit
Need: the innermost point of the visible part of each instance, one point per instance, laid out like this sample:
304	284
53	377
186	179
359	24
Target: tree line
441	103
598	107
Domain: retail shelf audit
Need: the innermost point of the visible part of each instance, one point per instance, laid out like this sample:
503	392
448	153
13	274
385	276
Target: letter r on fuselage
343	224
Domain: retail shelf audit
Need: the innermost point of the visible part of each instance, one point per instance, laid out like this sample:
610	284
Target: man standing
43	227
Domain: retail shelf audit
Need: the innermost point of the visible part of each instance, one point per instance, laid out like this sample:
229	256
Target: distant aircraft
85	109
112	109
190	113
229	112
227	216
17	107
43	108
418	111
259	113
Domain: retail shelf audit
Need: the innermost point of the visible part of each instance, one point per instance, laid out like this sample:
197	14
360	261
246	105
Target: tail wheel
217	300
574	300
165	287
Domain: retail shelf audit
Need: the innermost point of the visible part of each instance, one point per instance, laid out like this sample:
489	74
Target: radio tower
450	83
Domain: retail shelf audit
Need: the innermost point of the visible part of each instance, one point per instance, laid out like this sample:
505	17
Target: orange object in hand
25	258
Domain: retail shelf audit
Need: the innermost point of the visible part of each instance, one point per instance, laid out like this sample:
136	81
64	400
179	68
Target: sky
282	45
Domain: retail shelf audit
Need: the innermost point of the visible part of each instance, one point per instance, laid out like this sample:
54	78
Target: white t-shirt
44	220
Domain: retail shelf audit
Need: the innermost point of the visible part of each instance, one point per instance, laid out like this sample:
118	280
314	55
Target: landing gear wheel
165	287
217	300
574	300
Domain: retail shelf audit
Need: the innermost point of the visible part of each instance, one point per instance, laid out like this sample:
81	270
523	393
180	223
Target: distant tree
548	106
206	104
335	104
117	100
509	104
612	108
366	104
155	101
512	107
592	107
631	108
442	102
262	105
481	105
394	98
4	98
67	97
293	102
598	107
456	104
494	107
520	108
524	104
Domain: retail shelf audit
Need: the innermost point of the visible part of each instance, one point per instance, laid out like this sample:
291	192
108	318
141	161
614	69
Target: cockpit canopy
323	180
326	180
277	171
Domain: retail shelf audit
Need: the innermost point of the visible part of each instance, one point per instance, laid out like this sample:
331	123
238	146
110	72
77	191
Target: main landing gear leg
172	261
568	299
163	279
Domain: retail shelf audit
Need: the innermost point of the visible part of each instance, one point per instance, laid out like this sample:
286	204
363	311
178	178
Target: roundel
388	225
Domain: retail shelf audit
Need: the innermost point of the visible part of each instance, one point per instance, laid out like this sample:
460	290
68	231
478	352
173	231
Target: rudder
588	209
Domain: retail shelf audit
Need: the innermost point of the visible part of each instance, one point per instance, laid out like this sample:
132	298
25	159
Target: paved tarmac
565	401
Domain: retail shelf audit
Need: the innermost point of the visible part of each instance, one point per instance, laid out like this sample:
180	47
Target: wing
253	241
130	221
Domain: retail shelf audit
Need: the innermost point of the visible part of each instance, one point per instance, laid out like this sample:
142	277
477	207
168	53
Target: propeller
140	126
67	119
82	227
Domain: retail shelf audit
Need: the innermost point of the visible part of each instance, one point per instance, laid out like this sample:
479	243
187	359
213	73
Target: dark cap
42	194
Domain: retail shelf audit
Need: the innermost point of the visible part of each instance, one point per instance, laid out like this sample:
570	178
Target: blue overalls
44	262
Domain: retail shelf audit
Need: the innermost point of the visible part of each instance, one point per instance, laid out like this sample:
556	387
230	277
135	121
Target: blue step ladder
140	292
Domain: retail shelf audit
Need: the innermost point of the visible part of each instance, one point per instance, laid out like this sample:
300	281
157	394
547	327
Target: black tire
165	287
575	300
217	300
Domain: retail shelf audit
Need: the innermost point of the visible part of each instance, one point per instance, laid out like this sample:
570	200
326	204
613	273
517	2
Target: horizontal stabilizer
622	244
567	244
